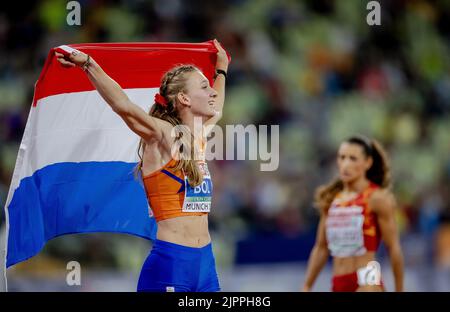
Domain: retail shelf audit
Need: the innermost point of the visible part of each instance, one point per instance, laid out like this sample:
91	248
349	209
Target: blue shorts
172	267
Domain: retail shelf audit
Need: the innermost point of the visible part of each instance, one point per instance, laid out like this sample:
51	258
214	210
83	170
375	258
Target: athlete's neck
195	125
356	186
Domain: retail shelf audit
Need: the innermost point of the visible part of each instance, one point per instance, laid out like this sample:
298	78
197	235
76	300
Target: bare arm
219	84
383	205
147	127
318	258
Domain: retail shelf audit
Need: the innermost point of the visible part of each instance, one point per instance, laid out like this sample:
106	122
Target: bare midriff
349	265
191	231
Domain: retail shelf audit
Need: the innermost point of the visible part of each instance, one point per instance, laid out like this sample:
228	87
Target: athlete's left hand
222	57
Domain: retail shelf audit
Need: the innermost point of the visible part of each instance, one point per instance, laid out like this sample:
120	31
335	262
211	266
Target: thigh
210	283
370	288
165	273
208	279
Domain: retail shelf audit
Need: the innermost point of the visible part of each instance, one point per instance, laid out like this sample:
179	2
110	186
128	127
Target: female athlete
175	176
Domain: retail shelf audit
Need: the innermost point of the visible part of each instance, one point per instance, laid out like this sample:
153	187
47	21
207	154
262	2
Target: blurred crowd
315	68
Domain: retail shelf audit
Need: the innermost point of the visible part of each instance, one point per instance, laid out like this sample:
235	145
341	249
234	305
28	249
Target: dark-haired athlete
357	211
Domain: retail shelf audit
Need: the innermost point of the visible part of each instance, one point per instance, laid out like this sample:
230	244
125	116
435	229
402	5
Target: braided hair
173	82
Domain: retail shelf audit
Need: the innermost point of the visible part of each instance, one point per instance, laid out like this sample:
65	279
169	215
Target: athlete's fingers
222	57
63	61
66	63
219	47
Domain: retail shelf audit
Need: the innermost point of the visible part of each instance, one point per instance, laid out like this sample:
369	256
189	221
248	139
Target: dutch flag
74	169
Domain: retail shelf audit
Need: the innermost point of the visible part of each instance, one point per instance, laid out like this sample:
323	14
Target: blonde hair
173	82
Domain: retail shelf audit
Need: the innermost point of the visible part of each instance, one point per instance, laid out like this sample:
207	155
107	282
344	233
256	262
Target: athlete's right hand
76	58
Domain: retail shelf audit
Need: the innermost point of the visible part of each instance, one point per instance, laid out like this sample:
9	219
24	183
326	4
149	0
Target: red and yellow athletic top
351	227
170	195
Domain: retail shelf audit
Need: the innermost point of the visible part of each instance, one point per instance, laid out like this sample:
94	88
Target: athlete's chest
345	226
198	198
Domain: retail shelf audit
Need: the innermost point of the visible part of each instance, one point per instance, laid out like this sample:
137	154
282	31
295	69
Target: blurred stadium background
313	67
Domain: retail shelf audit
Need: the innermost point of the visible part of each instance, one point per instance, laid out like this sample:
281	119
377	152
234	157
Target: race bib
198	199
344	231
370	274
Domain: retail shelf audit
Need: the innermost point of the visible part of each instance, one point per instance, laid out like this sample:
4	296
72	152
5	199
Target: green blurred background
317	69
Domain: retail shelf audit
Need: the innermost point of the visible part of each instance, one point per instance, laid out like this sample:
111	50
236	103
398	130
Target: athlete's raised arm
147	127
219	83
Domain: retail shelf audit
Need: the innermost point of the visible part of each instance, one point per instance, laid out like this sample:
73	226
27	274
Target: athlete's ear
184	99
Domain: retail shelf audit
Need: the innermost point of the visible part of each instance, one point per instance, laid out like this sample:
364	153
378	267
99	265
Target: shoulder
164	124
382	200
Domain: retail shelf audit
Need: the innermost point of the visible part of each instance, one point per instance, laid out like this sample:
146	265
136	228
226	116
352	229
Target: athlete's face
200	96
352	162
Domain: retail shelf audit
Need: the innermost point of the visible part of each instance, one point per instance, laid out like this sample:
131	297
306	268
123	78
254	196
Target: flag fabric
74	169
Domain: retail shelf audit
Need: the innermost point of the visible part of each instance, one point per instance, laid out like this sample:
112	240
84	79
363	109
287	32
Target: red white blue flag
74	169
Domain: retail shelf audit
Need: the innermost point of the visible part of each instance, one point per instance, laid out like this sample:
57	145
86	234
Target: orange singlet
170	195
